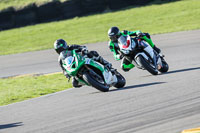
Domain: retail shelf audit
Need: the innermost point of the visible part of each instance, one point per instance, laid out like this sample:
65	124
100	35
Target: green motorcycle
89	72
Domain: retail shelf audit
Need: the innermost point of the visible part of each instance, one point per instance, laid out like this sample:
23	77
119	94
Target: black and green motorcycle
89	72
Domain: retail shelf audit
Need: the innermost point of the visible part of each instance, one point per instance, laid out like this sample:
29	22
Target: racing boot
105	63
100	59
157	49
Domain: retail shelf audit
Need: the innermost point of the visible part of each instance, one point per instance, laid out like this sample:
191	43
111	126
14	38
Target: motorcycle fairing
69	61
109	78
73	63
126	44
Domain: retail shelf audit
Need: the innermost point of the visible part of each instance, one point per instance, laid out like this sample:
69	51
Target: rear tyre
99	86
165	66
146	65
121	81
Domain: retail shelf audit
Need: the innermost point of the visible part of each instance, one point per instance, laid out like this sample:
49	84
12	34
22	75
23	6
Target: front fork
155	57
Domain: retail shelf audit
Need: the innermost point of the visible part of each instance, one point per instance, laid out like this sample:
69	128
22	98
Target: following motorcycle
90	72
142	55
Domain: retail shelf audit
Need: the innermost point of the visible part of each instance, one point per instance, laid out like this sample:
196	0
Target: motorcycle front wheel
93	82
146	65
165	67
121	81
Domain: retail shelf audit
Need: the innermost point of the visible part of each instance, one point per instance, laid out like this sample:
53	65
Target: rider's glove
125	32
84	51
119	56
140	35
108	65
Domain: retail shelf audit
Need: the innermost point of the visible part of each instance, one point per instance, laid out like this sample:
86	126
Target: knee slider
125	69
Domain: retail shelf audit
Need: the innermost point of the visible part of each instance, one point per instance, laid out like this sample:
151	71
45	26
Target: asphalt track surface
166	103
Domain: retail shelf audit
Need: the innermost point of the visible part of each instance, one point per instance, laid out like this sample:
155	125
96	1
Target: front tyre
146	65
165	66
121	81
99	86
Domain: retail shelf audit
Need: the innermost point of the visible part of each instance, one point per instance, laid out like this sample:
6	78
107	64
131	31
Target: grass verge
171	17
21	88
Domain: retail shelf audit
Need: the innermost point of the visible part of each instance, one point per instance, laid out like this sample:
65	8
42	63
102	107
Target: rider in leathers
114	33
63	49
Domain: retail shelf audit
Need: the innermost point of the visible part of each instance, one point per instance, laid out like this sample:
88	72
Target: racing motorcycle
142	55
89	72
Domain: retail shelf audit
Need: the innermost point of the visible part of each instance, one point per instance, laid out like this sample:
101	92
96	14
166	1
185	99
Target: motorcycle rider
114	33
63	49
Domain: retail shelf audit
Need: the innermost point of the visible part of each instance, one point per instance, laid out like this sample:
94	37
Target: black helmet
60	45
114	33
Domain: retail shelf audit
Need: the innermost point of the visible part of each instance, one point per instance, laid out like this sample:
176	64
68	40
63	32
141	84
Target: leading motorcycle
142	55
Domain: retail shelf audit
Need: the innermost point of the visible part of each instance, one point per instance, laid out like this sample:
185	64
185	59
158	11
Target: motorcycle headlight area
69	61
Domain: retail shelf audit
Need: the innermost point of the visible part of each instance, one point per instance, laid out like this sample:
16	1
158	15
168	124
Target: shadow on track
137	86
11	125
175	71
181	70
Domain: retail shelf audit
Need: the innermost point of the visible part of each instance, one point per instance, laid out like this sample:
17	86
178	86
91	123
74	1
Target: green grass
20	3
22	88
170	17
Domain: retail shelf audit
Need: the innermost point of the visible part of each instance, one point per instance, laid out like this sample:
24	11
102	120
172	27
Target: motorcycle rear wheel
99	86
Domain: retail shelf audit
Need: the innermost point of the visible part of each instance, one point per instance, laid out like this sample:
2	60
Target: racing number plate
88	61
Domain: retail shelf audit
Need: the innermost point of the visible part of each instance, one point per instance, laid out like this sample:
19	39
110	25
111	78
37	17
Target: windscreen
122	40
69	60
